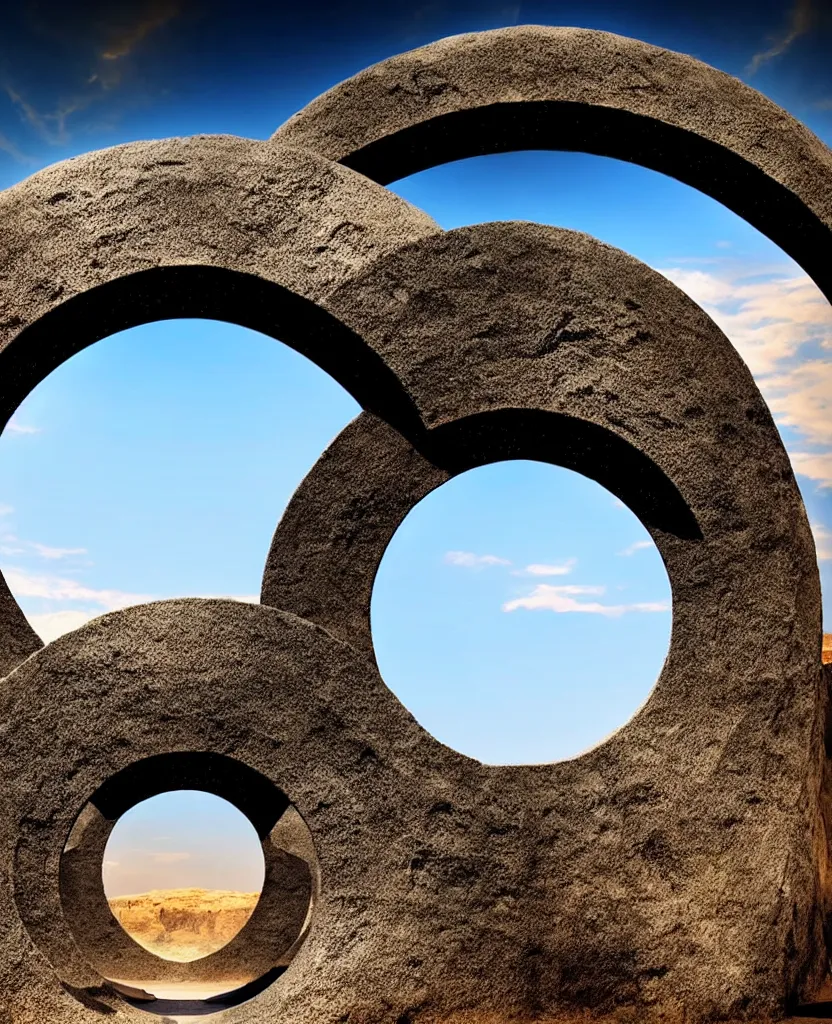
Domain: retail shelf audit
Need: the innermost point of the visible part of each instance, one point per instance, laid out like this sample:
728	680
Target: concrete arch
540	87
220	226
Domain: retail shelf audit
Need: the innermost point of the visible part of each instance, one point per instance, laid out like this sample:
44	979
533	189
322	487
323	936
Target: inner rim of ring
263	948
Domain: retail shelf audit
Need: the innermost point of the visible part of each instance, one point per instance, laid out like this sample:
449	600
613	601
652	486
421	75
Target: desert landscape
184	924
826	655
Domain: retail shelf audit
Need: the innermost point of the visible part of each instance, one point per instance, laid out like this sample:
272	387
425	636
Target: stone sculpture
678	871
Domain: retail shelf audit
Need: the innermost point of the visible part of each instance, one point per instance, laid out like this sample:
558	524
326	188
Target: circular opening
182	873
147	441
521	613
188	881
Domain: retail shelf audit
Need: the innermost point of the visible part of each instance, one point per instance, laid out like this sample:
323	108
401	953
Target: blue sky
521	612
154	841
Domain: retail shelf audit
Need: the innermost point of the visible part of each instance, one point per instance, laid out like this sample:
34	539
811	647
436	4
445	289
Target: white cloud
801	397
823	541
816	466
639	545
173	857
58	588
6	510
45	551
781	325
539	569
562	599
469	560
50	625
767	320
14	427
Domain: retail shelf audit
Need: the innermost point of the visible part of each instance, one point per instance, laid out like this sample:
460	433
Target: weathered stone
211	226
543	87
263	943
568	351
678	872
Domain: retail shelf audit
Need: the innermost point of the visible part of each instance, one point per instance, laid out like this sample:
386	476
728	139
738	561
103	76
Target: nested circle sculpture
678	871
267	942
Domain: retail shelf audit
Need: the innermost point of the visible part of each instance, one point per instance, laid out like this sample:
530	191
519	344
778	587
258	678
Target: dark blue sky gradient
80	76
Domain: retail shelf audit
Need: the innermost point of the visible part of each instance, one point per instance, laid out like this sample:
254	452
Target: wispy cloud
110	39
781	325
564	599
801	19
768	320
468	560
54	554
170	857
85	602
49	126
639	545
543	569
123	39
7	146
823	541
50	625
59	588
14	427
816	466
801	398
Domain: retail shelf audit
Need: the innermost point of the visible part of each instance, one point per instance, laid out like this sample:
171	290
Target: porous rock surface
547	87
678	872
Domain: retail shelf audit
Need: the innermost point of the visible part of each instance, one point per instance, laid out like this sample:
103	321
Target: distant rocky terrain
827	649
184	924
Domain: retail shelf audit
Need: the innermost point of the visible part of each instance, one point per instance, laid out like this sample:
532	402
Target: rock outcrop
826	653
184	924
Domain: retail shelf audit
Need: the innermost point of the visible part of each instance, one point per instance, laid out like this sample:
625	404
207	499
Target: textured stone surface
628	368
210	226
269	935
679	871
542	87
427	882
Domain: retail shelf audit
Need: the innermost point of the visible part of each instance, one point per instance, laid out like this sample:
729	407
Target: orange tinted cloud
123	39
802	17
110	37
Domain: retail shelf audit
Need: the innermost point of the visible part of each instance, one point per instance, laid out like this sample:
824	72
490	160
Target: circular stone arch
568	350
524	341
194	678
210	226
266	942
541	87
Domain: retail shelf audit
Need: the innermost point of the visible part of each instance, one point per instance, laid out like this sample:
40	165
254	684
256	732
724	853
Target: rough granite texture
714	786
209	226
678	872
543	87
263	943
